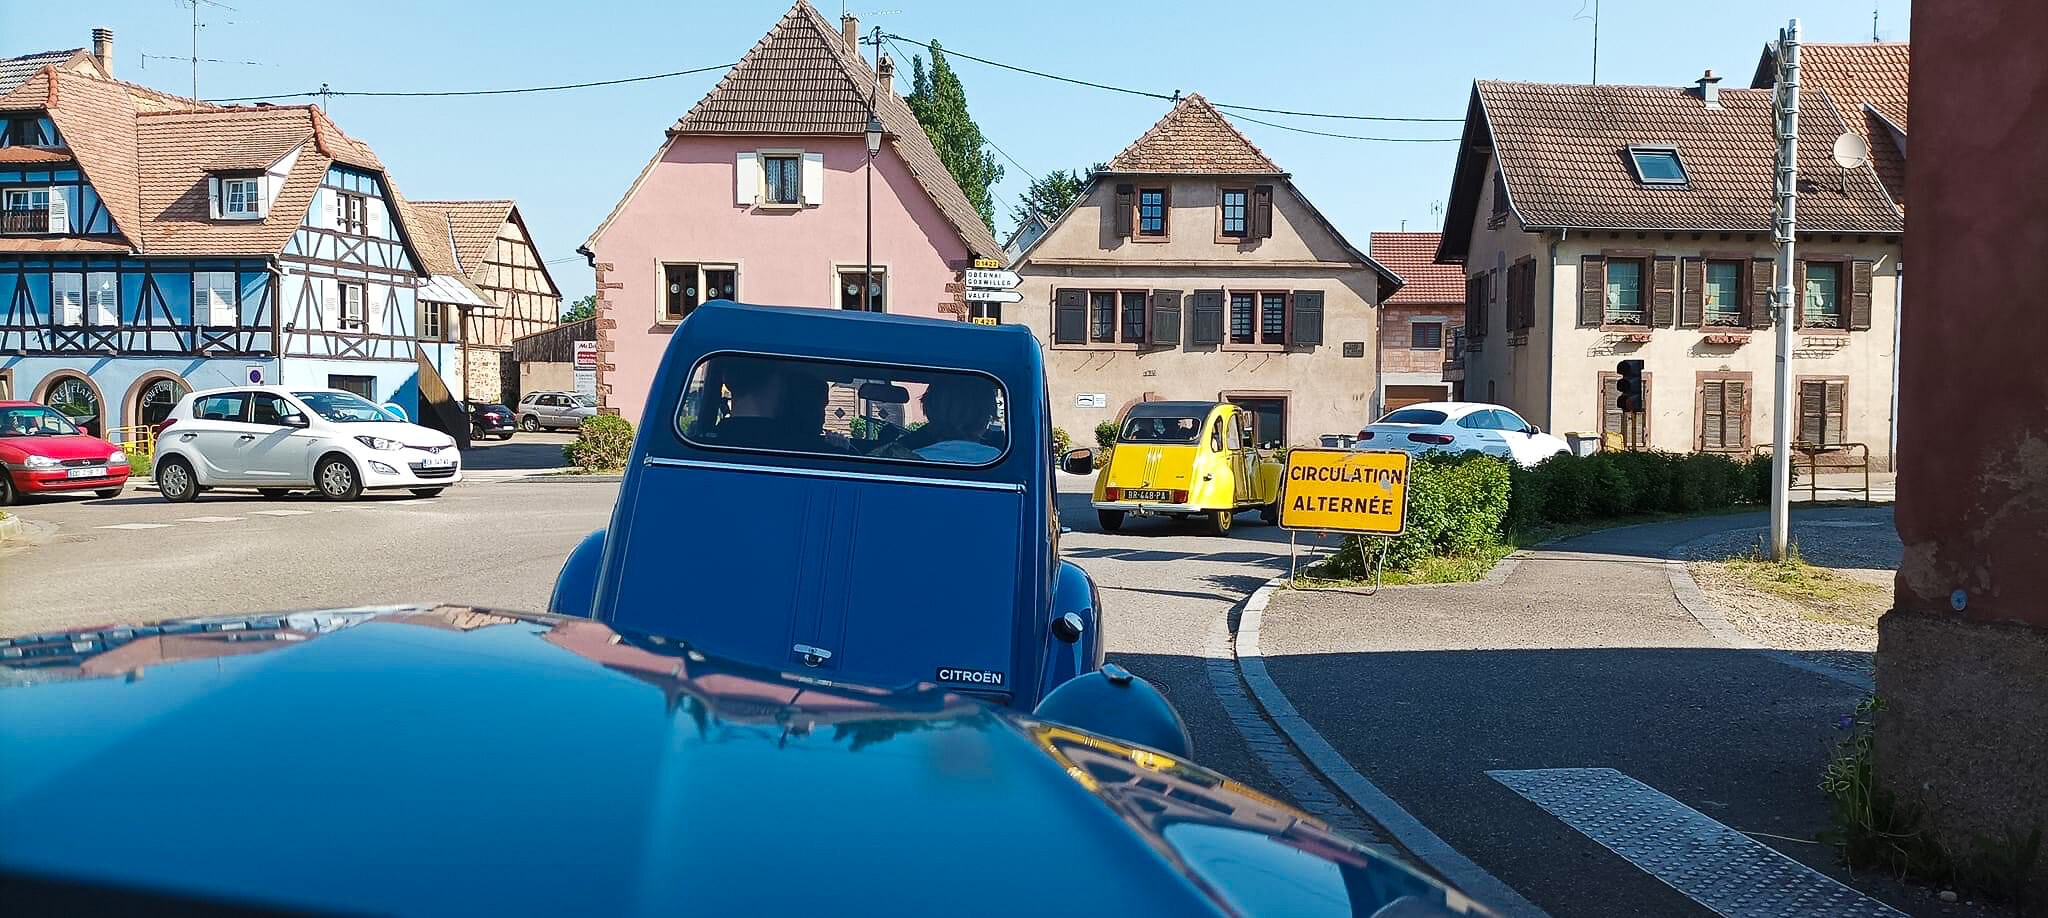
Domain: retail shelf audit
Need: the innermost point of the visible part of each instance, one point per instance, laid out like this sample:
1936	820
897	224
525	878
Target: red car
42	452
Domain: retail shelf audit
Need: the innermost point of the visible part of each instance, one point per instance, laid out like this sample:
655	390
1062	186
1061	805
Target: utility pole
1785	228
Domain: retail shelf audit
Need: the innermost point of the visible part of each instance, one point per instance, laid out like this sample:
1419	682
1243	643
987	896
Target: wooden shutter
1836	408
1692	294
1120	214
1713	415
1305	325
213	201
1070	317
1799	293
1762	273
1664	291
1611	418
1473	330
1735	412
1162	327
1812	411
1859	295
746	178
1592	290
1262	212
1208	311
812	179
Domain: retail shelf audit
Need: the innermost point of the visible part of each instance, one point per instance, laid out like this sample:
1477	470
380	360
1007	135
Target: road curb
1412	835
1710	617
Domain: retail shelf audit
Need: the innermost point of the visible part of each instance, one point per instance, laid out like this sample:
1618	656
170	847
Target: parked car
675	782
277	440
555	410
1182	459
815	468
42	452
1456	427
490	420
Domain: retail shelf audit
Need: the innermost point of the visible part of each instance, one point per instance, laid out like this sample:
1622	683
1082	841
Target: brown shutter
1692	295
1664	291
1837	411
1611	418
1799	293
1736	408
1859	296
1761	274
1713	414
1070	317
1305	325
1812	412
1592	290
1163	326
1120	214
1262	212
1208	311
1529	295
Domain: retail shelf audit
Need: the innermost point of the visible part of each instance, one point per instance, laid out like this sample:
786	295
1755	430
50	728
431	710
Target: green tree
1051	194
940	103
581	309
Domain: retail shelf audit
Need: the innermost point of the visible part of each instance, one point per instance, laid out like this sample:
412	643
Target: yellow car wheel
1219	521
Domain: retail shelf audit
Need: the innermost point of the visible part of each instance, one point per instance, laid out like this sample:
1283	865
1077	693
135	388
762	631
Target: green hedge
1060	441
1456	506
1105	434
602	444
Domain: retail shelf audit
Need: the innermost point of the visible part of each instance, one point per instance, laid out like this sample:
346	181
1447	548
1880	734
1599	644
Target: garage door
1403	396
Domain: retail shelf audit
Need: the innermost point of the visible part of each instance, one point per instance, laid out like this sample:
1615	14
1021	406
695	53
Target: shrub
1455	507
602	444
1060	441
1105	434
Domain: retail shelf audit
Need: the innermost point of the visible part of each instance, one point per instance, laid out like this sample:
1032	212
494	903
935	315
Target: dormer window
235	197
1657	165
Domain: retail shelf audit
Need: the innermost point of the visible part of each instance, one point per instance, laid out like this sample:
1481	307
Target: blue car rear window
914	415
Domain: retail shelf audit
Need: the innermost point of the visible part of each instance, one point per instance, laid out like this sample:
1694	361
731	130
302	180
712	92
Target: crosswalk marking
211	519
1712	864
283	512
135	526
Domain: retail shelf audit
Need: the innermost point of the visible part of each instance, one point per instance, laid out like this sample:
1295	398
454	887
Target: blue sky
567	156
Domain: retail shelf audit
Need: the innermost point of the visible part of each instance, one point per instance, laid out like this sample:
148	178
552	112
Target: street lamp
867	291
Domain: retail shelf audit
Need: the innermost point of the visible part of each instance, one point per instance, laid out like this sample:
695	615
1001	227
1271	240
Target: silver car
554	410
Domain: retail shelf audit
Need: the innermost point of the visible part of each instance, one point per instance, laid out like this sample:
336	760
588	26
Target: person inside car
957	415
774	406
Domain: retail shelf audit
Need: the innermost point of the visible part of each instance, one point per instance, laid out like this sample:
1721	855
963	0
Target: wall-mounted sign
1354	348
586	355
1091	400
987	263
255	374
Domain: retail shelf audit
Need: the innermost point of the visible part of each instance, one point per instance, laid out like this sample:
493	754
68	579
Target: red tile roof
474	225
1413	256
1193	138
801	78
1876	74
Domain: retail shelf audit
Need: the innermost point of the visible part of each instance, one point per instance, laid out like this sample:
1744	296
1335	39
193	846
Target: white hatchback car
278	440
1455	427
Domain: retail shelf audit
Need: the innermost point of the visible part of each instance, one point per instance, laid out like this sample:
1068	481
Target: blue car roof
1007	351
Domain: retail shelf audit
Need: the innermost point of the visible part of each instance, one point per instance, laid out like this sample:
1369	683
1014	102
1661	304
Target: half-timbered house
150	245
489	245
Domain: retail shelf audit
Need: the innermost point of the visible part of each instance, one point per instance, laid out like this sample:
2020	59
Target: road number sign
972	295
1341	490
988	263
994	280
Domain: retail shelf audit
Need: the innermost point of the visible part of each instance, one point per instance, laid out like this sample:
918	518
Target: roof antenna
1873	19
1581	16
1436	212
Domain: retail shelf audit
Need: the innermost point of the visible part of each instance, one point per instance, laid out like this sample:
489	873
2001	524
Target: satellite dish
1851	151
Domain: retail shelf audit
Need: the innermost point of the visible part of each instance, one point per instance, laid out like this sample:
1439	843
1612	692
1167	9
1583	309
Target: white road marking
283	512
1468	877
1712	864
211	519
135	526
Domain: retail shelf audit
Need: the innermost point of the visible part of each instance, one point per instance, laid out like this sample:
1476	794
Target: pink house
760	194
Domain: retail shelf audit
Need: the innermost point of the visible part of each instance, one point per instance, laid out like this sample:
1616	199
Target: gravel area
1864	547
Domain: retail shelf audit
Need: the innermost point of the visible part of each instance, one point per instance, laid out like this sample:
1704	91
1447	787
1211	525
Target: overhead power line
478	92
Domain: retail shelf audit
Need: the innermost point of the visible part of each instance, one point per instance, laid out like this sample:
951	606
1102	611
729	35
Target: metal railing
1617	315
1814	458
25	220
138	441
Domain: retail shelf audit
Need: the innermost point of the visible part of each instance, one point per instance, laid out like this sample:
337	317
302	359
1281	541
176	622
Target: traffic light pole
1786	103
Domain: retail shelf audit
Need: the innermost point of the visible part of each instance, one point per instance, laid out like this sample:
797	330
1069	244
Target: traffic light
1630	385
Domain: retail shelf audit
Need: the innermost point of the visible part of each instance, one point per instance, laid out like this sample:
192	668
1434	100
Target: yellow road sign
987	264
1339	490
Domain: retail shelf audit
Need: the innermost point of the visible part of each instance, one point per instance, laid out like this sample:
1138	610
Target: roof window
1657	165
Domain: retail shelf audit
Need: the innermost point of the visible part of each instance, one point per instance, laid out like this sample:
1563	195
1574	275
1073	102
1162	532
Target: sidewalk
1580	659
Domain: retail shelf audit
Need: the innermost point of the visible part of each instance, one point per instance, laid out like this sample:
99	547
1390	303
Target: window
1624	292
1821	308
1616	427
1823	411
1500	194
1147	425
877	290
1152	212
1426	336
1134	316
721	283
431	321
1235	204
898	414
782	179
269	408
1272	318
226	406
1478	296
1242	306
67	299
27	211
158	398
1724	414
1723	294
362	386
1657	165
684	286
352	306
242	197
349	213
1268	418
213	298
23	131
1102	317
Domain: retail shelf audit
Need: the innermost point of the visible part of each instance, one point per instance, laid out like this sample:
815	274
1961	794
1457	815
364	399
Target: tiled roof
801	78
475	225
1854	75
15	71
87	245
96	118
34	155
430	238
1564	151
1193	138
1413	256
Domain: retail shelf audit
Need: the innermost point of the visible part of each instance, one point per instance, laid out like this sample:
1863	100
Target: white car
1455	427
278	440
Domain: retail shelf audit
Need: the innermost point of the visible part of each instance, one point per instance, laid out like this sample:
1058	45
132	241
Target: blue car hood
769	565
465	761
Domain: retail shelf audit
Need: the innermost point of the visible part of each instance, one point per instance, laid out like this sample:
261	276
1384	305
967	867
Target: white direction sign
992	296
994	280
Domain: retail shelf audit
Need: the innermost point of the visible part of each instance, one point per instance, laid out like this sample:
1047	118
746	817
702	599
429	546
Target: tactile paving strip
1716	866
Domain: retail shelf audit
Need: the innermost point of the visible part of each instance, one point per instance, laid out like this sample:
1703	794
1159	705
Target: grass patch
1818	594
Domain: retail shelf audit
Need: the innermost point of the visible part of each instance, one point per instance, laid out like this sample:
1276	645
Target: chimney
849	29
103	48
888	70
1709	94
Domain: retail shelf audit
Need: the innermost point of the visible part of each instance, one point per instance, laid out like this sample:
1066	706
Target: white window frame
661	316
252	202
103	298
839	271
27	195
352	313
213	299
67	298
